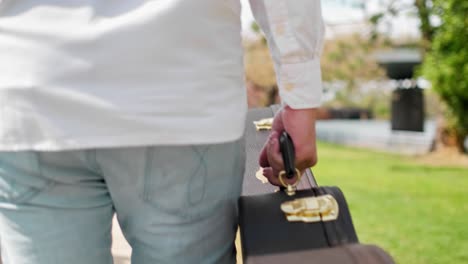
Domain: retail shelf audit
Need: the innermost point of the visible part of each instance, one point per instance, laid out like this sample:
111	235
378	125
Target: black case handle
289	155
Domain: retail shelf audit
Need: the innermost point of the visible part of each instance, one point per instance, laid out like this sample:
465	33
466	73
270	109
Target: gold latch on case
263	124
311	209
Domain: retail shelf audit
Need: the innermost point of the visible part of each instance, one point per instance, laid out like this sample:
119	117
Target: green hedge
446	63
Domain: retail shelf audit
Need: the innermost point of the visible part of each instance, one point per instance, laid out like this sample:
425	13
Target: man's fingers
263	158
273	152
270	155
271	176
271	159
300	124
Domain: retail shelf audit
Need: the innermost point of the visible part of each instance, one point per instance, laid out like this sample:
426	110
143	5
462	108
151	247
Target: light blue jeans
175	204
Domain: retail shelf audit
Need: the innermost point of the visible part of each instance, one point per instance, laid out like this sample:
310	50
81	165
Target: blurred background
394	122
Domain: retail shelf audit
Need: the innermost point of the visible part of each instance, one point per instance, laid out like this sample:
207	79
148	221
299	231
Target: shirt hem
137	140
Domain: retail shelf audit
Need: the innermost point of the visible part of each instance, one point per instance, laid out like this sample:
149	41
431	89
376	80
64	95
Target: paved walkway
120	248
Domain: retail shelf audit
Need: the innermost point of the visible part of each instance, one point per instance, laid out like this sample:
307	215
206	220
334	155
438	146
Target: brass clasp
311	209
290	188
264	124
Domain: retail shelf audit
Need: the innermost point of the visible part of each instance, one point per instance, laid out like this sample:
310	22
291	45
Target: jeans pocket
20	178
192	181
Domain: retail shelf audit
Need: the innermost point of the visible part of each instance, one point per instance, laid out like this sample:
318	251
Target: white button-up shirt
94	73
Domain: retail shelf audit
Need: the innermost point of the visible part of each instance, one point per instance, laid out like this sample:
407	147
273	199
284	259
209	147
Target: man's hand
300	124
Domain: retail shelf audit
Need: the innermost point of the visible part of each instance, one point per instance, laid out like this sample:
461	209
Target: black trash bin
408	109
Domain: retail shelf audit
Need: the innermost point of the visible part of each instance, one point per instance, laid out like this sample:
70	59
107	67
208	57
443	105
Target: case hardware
264	124
290	189
311	209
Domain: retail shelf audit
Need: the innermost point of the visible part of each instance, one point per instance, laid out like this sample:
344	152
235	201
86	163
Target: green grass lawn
416	212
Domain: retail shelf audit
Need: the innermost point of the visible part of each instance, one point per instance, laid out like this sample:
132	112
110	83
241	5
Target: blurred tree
350	60
446	64
423	9
446	52
259	64
259	71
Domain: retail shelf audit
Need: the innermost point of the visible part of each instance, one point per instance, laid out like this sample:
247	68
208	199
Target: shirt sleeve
294	30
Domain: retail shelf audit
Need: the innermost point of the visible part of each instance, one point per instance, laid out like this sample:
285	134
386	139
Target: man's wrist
310	113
